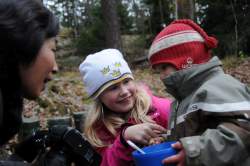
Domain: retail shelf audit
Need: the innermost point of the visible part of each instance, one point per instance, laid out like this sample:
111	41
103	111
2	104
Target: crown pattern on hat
118	64
115	72
105	70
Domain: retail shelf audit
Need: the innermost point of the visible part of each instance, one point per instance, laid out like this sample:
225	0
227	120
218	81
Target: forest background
88	26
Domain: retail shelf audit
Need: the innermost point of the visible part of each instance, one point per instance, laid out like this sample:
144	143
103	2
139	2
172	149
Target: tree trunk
235	27
184	9
87	10
161	13
111	24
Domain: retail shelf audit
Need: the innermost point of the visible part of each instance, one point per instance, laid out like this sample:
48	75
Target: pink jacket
117	154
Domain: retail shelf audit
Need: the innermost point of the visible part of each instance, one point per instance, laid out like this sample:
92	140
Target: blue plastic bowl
154	154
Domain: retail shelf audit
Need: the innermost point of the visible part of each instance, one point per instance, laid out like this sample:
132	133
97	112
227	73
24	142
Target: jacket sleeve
228	143
117	154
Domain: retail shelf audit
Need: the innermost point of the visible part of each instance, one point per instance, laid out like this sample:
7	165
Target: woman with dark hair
27	58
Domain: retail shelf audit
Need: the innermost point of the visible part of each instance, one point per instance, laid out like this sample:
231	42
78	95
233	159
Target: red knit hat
182	43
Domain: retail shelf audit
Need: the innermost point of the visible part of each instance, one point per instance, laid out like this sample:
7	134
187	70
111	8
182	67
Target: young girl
123	110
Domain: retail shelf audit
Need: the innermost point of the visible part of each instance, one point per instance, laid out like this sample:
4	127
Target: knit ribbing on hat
210	41
181	44
173	40
181	56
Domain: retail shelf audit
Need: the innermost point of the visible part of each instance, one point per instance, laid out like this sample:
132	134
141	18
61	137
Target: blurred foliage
133	46
66	32
229	21
126	21
69	63
161	13
91	37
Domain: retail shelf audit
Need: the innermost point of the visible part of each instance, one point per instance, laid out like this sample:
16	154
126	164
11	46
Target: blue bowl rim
137	153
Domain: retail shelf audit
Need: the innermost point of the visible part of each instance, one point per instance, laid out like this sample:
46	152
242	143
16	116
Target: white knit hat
103	69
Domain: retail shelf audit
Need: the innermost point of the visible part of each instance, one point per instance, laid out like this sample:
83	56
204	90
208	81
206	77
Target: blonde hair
112	121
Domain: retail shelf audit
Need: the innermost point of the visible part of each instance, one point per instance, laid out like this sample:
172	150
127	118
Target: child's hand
142	133
179	158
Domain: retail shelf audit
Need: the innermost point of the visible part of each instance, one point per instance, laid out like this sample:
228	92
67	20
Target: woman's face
120	97
35	76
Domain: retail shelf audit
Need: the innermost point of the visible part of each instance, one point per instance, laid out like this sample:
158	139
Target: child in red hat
210	118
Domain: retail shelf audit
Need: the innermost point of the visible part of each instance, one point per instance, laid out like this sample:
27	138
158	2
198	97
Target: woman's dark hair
24	27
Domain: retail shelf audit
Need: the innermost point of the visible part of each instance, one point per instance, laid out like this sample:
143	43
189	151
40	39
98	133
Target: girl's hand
179	158
142	133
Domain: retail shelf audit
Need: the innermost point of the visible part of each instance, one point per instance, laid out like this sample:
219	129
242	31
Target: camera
61	139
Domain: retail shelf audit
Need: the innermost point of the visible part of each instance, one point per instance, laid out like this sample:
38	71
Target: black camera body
62	139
